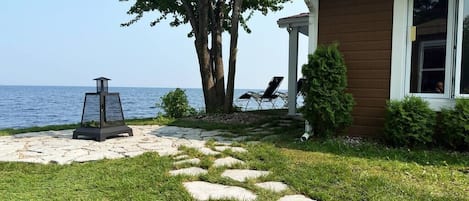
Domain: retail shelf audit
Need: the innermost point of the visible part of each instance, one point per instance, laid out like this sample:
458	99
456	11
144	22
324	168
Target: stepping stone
181	157
243	175
241	138
201	190
295	198
271	138
192	171
233	149
276	187
209	133
193	161
227	161
207	151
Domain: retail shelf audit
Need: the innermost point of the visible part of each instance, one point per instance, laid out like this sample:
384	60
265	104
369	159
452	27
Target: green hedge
409	122
454	126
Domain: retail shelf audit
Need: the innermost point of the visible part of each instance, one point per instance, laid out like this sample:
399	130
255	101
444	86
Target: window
428	53
430	50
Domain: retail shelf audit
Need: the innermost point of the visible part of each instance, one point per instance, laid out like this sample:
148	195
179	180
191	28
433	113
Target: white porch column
313	6
292	69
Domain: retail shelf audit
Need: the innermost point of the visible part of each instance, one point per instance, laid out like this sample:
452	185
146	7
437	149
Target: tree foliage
208	20
181	11
327	106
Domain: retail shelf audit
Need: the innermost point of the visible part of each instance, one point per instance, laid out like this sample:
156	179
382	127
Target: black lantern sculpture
102	114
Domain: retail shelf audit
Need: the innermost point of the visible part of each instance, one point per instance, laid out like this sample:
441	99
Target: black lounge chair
299	85
269	95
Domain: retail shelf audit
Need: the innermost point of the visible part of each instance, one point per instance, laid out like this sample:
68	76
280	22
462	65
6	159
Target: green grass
333	170
320	169
9	131
141	178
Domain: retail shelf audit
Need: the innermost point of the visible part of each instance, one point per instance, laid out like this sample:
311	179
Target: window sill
437	104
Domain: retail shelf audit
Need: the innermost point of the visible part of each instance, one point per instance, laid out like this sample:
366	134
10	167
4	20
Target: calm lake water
26	106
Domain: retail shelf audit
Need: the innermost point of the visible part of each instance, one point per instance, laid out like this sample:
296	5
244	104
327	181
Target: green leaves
182	11
409	122
175	104
327	107
454	126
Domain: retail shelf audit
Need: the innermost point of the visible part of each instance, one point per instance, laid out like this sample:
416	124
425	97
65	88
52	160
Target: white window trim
422	46
398	54
400	59
457	88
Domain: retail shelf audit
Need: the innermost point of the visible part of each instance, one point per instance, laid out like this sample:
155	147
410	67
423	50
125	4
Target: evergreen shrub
327	106
454	126
175	104
409	122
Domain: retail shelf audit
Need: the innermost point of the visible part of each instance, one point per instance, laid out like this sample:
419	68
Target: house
392	48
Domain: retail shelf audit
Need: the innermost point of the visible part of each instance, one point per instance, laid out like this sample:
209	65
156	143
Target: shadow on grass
287	136
369	149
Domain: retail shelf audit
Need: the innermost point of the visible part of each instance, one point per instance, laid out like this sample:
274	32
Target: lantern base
100	134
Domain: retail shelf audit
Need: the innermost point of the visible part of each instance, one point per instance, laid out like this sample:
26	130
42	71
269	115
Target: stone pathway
59	147
203	190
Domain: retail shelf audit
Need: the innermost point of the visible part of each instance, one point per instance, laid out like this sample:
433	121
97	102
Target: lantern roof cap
102	78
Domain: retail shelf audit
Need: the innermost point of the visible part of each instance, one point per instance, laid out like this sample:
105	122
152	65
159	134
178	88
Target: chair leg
247	103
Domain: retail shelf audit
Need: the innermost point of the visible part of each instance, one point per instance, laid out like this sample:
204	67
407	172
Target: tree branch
190	13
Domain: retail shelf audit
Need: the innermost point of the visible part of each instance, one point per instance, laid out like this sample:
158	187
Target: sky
69	43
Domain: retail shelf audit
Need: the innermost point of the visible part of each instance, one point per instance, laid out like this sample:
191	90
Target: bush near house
454	126
327	107
409	122
175	104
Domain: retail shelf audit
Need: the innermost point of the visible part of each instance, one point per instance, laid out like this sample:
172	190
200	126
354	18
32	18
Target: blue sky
69	43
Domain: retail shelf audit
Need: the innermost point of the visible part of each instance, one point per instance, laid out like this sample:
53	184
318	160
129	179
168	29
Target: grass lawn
320	169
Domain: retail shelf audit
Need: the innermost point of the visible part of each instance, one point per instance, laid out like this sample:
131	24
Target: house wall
364	30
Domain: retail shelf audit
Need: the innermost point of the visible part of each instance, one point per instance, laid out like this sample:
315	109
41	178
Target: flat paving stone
192	171
243	175
271	137
295	198
241	138
59	147
273	186
227	162
203	191
207	151
233	149
193	161
181	157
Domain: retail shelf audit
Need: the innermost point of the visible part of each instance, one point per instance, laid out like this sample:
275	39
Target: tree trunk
218	71
203	55
228	107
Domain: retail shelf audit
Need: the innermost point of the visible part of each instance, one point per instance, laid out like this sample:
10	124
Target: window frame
422	46
401	54
458	69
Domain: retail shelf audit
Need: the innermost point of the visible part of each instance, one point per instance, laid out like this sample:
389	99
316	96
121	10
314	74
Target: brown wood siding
364	30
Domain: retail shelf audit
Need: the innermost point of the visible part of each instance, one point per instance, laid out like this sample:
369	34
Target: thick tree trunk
228	107
218	71
203	55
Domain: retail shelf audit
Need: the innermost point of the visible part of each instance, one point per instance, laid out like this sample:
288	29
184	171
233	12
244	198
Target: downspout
313	6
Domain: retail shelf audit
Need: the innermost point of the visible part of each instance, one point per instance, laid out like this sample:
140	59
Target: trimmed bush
454	126
326	105
409	122
175	104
